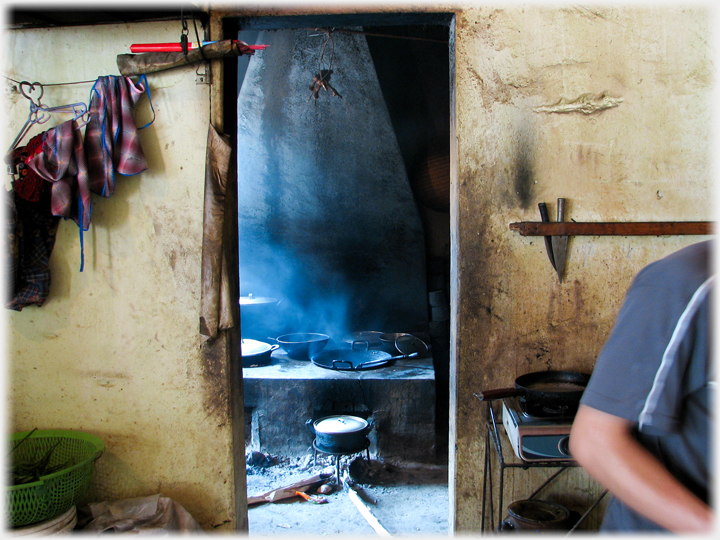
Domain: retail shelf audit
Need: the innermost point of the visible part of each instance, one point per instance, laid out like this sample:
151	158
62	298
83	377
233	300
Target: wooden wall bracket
618	228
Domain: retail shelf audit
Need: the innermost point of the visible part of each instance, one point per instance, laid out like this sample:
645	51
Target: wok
302	346
356	358
353	359
550	391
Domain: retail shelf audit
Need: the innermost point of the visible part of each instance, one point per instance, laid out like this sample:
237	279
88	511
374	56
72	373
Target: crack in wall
585	103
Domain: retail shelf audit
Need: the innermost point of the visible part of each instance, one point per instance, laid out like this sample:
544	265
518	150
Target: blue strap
82	244
143	79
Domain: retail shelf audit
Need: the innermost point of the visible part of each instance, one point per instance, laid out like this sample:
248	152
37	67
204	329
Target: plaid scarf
111	141
61	160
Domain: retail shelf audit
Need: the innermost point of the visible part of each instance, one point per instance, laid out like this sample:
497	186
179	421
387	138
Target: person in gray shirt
644	428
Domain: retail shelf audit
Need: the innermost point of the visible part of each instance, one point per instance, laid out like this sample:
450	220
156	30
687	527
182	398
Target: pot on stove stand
340	435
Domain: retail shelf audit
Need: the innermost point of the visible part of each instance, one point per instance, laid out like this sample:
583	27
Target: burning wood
291	490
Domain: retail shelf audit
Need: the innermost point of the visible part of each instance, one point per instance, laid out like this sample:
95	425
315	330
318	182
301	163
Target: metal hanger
39	113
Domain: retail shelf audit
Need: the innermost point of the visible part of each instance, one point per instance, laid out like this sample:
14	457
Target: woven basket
55	493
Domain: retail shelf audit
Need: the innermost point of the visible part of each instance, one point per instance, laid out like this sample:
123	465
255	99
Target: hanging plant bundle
321	81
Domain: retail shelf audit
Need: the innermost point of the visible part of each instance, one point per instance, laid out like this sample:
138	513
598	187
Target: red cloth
111	141
28	185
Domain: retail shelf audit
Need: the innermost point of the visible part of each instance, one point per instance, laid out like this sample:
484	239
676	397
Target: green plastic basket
54	493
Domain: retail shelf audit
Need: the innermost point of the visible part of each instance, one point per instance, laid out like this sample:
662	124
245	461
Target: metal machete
559	243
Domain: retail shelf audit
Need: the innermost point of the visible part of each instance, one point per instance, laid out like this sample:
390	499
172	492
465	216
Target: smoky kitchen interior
282	244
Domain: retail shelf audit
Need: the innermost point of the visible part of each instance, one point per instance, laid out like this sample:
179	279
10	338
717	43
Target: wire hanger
39	113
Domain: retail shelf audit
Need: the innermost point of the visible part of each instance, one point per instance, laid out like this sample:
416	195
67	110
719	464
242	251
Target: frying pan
548	390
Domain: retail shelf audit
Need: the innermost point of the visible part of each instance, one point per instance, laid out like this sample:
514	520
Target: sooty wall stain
523	174
216	399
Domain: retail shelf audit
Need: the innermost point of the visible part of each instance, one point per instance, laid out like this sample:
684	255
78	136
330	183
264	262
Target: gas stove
536	438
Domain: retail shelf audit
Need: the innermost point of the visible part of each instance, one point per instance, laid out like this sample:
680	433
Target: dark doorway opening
410	60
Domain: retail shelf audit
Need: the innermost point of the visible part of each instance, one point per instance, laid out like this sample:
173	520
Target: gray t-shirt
656	370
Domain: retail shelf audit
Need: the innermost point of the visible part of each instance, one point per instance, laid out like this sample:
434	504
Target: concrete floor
405	500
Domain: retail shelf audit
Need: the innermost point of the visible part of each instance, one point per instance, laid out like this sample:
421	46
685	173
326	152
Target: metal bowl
302	346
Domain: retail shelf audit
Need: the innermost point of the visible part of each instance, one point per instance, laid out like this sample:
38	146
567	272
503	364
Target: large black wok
556	392
357	358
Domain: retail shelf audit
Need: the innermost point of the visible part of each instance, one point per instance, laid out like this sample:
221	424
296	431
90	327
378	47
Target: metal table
493	442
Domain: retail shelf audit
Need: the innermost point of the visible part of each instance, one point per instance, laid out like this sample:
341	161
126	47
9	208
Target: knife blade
559	243
548	239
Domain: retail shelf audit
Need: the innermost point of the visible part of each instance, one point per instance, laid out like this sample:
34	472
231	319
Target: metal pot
302	346
536	515
340	433
256	353
551	391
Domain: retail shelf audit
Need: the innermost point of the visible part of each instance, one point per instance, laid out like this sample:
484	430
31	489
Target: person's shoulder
686	268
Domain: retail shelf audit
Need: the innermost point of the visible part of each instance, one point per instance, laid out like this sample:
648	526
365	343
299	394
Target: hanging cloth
29	238
28	184
111	139
61	160
216	304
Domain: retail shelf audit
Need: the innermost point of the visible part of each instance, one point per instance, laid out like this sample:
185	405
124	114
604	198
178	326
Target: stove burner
536	438
546	410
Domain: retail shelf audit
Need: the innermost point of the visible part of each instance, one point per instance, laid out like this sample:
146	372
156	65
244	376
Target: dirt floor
398	499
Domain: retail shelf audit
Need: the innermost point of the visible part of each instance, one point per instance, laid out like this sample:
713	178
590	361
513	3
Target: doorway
405	79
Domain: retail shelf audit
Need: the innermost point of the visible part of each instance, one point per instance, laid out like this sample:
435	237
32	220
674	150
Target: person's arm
604	446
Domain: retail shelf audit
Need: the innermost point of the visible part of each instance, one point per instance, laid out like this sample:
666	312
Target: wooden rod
651	228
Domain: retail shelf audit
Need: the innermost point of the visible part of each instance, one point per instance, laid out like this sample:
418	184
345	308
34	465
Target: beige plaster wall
646	159
115	350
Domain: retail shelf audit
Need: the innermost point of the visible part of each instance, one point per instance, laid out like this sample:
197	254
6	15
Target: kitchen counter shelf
493	442
284	367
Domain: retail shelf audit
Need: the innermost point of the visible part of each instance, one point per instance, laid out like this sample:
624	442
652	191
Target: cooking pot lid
251	300
408	344
340	424
372	337
250	347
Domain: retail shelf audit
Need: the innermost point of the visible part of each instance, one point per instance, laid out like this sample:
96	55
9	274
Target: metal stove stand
317	448
493	442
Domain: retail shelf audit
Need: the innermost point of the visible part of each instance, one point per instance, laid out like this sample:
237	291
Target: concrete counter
399	397
284	367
